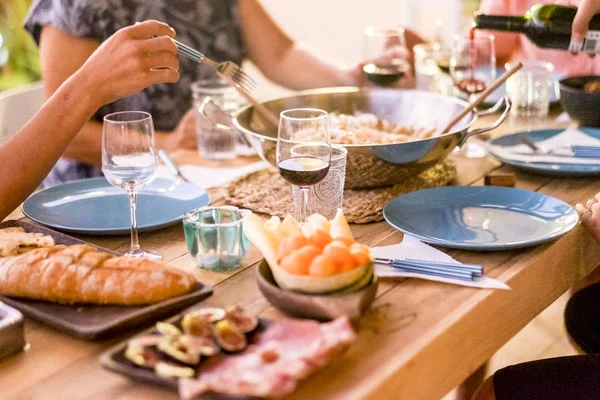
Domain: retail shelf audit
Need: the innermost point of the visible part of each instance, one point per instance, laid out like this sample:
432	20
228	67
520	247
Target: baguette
81	274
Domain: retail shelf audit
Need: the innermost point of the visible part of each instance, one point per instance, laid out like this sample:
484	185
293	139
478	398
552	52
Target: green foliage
22	64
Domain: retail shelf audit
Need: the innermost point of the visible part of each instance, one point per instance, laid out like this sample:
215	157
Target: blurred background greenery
19	60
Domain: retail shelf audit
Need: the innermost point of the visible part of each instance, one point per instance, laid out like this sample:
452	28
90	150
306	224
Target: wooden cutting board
95	322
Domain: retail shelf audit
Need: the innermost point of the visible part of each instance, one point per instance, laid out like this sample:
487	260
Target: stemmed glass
473	68
384	52
129	162
303	151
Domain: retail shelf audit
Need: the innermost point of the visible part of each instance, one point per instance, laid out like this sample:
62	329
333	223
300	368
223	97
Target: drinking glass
529	88
473	68
303	151
129	162
383	55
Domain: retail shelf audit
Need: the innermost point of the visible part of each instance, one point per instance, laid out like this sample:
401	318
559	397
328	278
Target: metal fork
233	74
227	69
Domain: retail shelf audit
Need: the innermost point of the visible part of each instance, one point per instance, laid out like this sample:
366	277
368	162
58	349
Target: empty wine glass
384	55
129	162
473	69
303	151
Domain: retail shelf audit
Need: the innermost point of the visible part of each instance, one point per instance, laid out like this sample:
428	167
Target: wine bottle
547	26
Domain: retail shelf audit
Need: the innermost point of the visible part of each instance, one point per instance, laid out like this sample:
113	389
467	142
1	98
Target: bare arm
62	55
285	62
125	64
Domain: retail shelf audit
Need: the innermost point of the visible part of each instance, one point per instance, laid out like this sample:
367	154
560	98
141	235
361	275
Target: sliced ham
285	352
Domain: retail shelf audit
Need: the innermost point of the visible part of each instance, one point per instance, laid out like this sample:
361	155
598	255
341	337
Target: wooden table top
419	340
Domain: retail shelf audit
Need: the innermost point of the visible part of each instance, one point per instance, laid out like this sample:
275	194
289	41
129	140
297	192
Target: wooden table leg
467	389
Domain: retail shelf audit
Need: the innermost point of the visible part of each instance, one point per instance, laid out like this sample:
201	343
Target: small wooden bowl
318	307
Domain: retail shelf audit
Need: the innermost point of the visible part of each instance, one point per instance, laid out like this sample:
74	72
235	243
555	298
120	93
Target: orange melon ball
299	262
322	266
338	252
289	245
319	239
361	255
346	240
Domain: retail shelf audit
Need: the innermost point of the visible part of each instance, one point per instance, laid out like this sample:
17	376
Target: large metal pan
377	165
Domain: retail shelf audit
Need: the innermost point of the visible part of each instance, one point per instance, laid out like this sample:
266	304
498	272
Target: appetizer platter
315	269
84	291
230	352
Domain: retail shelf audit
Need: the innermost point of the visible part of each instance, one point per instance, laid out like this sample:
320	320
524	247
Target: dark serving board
114	360
12	337
95	322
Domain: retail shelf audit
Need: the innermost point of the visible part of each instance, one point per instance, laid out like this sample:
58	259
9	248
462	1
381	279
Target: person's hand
586	9
590	216
131	60
183	137
356	77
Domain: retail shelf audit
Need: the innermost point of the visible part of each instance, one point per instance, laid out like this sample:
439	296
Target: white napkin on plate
208	177
414	249
560	142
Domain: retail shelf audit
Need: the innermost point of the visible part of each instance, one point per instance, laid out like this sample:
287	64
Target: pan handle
203	110
504	101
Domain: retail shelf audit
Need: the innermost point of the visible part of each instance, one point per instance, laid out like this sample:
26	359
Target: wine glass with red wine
473	68
303	151
384	55
473	63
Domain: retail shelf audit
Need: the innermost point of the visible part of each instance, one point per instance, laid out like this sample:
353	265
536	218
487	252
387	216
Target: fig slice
206	346
197	325
229	336
141	351
244	321
170	370
168	330
178	351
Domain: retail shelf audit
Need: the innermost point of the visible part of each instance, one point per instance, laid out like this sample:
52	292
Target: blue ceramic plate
95	207
480	217
545	168
501	91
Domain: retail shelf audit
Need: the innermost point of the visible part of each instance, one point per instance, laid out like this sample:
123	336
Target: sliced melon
289	227
318	285
339	226
319	222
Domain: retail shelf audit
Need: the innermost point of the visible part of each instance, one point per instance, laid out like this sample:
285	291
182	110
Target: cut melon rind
320	285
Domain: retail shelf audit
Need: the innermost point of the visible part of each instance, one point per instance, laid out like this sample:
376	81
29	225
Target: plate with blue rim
95	207
483	218
555	169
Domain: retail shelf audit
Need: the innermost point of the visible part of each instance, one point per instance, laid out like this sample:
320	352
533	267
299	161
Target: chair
17	106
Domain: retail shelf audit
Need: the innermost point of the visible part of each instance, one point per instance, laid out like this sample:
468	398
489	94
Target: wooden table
419	340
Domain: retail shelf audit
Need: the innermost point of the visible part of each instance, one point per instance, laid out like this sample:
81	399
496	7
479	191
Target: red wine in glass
303	171
384	75
471	85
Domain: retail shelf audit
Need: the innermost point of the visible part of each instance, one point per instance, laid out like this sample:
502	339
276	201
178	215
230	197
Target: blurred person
125	63
68	31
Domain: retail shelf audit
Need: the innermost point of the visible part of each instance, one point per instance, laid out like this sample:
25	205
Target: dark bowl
320	307
582	107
